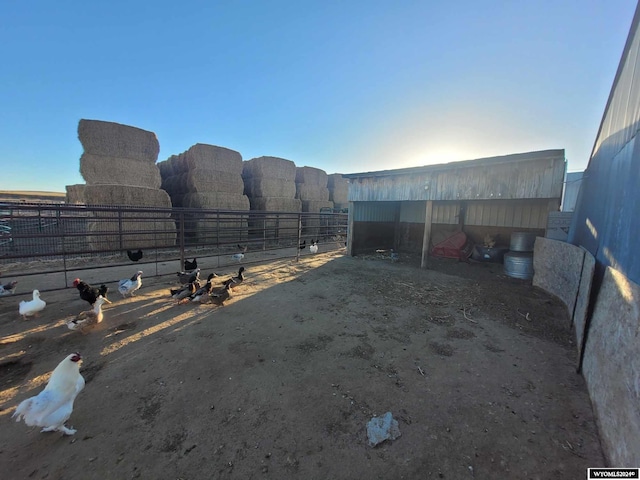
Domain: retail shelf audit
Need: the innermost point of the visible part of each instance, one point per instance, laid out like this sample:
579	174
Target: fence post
181	239
120	230
299	236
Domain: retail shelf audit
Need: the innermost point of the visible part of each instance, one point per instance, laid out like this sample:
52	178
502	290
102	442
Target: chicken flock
52	407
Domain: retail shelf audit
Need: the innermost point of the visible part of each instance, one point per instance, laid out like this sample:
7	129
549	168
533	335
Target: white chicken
32	307
313	248
89	317
130	285
52	407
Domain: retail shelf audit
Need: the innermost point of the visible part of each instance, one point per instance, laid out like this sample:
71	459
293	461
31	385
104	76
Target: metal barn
410	209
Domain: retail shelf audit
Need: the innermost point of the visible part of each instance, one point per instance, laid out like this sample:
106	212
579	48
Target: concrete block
557	269
611	367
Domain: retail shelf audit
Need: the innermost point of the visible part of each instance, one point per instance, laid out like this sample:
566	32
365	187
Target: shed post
426	240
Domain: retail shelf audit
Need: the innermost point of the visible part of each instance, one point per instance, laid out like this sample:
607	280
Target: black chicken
303	245
190	266
134	256
90	294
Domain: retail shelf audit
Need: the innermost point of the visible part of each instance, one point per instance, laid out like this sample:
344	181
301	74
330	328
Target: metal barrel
522	241
519	265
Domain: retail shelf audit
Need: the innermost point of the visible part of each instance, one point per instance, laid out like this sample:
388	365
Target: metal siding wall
446	212
413	212
571	189
504	213
608	206
375	211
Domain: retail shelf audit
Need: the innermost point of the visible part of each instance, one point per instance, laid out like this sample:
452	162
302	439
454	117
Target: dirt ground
477	368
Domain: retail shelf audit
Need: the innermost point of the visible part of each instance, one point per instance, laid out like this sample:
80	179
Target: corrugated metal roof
488	161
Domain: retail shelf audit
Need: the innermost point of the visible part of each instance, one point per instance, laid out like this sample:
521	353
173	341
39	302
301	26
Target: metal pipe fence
60	238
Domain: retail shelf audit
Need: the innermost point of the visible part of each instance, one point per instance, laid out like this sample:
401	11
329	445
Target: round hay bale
269	187
210	157
102	170
314	206
275	204
306	191
75	193
311	176
215	201
269	167
107	234
115	140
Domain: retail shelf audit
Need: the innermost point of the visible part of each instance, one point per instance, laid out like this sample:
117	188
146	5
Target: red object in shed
455	246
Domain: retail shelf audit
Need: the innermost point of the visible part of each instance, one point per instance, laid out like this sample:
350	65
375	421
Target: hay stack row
207	177
119	167
311	189
338	191
270	184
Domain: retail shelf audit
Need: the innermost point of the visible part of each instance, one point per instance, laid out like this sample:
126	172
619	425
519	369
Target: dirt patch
281	381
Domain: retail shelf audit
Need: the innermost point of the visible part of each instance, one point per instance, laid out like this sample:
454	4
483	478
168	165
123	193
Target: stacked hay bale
75	193
207	177
119	168
311	189
338	191
269	182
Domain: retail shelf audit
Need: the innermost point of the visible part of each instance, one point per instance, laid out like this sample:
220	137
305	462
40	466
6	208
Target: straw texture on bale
215	201
75	193
274	226
115	140
205	182
269	167
126	195
208	157
314	206
311	175
306	191
103	170
338	188
275	204
165	167
269	187
105	235
209	230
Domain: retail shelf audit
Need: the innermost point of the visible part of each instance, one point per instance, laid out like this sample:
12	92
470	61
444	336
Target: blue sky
345	86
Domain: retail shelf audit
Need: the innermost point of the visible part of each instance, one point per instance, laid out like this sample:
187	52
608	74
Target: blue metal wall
607	217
